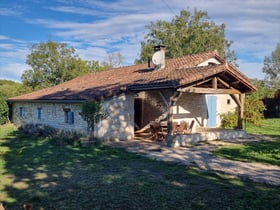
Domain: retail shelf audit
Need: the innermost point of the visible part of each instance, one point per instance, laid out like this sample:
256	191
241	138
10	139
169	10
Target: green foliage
253	113
254	109
187	34
4	109
53	63
54	177
272	68
263	90
269	126
228	120
9	89
266	151
92	112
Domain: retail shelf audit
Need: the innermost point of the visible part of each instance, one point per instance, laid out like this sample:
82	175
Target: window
69	116
39	113
20	112
228	102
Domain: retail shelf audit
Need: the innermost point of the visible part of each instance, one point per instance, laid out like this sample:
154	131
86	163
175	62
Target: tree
53	63
92	112
187	34
9	89
112	60
4	109
272	68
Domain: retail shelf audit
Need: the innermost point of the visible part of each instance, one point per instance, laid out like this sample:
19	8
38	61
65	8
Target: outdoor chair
189	128
182	127
156	130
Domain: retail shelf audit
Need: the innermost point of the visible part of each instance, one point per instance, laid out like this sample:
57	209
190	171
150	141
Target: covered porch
201	101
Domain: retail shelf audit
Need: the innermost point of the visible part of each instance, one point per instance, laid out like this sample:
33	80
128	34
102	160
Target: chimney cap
159	47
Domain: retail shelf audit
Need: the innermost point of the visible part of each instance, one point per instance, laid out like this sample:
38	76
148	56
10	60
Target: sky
96	28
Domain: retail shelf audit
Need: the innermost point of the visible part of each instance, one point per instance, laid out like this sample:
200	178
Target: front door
212	111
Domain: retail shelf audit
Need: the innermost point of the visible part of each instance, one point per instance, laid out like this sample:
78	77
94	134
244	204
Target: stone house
196	87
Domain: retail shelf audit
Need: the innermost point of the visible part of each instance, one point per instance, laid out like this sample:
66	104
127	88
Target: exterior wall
224	104
190	107
194	107
118	125
53	114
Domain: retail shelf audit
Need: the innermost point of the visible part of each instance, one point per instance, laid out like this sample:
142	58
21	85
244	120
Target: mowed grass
265	151
49	176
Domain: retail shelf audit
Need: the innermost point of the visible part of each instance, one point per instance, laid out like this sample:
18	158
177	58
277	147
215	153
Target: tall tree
187	34
9	89
272	68
112	60
53	63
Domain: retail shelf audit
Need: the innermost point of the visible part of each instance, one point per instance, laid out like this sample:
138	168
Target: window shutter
70	118
39	113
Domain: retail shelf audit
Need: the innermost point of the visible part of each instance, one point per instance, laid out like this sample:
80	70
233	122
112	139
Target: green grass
264	151
66	177
266	127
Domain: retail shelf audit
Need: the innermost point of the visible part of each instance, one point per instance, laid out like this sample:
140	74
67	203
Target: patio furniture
156	130
189	128
182	127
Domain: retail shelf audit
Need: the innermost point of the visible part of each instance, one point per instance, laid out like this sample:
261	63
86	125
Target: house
196	87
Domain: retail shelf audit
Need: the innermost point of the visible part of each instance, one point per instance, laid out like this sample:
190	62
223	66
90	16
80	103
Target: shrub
254	110
3	111
55	136
228	120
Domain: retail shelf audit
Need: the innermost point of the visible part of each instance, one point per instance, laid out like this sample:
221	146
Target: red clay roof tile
177	72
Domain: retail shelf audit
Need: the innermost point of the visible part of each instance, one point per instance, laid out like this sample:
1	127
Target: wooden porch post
241	111
172	101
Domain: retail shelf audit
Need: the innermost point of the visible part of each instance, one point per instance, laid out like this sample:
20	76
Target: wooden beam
241	111
211	90
237	101
196	84
214	82
172	102
223	83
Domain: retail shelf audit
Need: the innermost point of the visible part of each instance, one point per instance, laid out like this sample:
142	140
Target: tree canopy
9	89
187	34
53	63
272	68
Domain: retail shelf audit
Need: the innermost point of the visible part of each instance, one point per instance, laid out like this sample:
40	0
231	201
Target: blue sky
95	28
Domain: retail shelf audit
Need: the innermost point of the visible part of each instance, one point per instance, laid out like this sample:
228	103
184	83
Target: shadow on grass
263	151
66	177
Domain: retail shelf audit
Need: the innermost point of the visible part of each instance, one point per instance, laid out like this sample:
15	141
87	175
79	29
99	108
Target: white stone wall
52	114
120	123
194	107
117	126
224	104
190	107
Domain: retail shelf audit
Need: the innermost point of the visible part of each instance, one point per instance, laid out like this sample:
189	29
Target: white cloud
97	27
12	71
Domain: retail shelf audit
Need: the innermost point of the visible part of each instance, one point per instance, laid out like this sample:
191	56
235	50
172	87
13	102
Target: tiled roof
177	72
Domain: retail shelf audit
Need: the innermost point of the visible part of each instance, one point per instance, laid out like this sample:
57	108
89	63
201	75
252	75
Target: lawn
265	151
56	176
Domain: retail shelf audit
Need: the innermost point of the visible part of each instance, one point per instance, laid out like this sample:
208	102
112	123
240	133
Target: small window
69	116
228	102
20	112
39	113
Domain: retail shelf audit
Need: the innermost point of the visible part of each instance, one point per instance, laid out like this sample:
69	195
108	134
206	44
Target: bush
4	109
229	119
55	136
254	110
